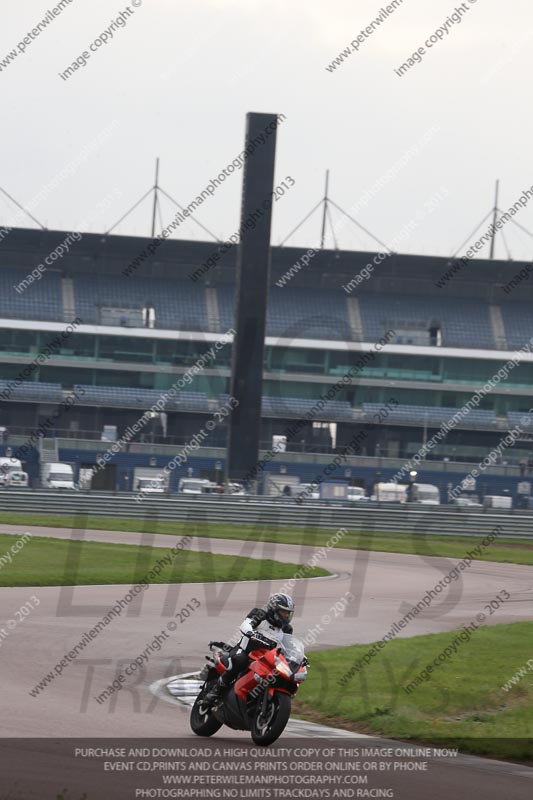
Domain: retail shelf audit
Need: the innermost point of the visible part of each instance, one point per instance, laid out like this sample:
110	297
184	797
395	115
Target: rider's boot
215	691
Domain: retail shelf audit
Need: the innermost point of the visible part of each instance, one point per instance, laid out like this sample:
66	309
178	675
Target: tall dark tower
253	269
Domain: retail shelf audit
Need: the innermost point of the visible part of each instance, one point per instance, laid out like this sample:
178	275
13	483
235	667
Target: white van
194	486
426	494
497	501
357	494
57	476
389	493
236	489
7	466
307	491
17	479
466	500
151	485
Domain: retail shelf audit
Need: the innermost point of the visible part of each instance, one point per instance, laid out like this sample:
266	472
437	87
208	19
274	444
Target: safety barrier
282	512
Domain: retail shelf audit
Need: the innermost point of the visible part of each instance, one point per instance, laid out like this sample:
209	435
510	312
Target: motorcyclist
263	627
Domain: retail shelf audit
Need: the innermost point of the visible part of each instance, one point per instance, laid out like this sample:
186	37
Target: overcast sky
177	80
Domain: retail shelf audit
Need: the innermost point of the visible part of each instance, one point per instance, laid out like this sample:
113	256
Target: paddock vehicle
194	486
306	491
357	494
497	501
426	494
57	476
17	478
259	700
151	485
389	493
236	489
8	468
467	501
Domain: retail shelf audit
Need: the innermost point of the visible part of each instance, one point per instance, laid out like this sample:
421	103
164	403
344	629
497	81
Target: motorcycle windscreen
293	650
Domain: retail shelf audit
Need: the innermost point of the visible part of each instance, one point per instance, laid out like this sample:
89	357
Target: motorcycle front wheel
266	729
203	723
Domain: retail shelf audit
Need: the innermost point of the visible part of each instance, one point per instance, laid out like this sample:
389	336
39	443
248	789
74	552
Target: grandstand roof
399	274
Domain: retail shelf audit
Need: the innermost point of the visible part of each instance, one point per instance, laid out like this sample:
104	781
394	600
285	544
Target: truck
195	486
275	485
236	489
333	490
149	480
357	494
306	491
497	501
426	494
151	485
466	500
389	493
55	475
11	472
17	479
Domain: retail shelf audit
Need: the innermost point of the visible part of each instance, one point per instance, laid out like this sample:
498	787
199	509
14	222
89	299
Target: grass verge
512	551
461	704
59	562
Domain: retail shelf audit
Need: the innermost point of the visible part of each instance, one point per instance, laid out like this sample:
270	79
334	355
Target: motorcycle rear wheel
267	730
202	721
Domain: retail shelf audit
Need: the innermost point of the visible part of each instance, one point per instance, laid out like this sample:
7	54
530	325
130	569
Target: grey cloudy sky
179	78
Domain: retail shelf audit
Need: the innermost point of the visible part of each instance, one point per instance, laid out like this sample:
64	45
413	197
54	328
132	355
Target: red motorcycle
260	699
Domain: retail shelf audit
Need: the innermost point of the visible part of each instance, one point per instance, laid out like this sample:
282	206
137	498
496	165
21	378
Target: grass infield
462	703
58	562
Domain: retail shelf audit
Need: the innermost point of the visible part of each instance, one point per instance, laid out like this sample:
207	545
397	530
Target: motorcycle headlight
301	675
282	667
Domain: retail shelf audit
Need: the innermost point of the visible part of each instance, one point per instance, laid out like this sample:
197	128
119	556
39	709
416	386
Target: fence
273	511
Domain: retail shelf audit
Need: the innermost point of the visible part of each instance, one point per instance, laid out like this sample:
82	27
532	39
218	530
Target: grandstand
141	334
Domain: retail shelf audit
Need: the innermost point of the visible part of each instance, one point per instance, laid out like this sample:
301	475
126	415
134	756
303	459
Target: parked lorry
195	486
357	494
281	485
56	475
466	500
426	494
334	490
17	479
497	501
11	473
149	480
389	493
150	485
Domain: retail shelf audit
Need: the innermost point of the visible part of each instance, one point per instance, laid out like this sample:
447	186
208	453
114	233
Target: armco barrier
273	511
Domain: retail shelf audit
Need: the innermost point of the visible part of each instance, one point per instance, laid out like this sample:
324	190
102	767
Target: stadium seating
523	419
299	406
126	397
433	416
296	313
308	314
226	306
518	322
463	323
39	300
32	392
177	306
292	313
